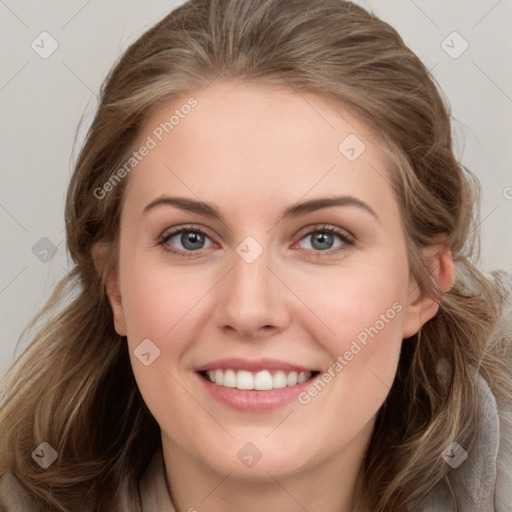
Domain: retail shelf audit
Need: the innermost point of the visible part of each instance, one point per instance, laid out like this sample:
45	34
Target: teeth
279	380
244	380
259	381
302	378
291	379
263	380
229	379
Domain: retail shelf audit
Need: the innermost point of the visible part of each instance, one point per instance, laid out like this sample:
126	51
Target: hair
73	386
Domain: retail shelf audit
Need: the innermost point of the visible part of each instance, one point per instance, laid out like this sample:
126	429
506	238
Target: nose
252	300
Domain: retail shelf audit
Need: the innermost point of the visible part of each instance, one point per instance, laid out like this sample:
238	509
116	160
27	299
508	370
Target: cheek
364	308
359	302
159	306
157	299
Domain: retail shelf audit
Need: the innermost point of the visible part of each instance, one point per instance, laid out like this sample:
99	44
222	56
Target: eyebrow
296	210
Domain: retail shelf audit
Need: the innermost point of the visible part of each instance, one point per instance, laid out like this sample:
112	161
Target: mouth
263	380
254	386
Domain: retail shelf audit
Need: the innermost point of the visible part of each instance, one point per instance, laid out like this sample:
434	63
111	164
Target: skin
252	151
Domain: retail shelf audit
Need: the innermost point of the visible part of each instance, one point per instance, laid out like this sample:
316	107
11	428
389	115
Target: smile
252	385
260	381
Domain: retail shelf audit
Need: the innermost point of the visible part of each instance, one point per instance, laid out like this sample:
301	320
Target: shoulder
153	495
503	337
13	497
482	480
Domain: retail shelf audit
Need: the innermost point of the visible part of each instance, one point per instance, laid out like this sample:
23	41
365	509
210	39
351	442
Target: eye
191	239
322	239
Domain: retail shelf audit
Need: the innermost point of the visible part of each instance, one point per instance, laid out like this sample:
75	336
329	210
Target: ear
422	307
100	253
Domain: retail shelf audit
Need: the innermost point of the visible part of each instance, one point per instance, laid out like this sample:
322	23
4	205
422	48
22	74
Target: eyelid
170	232
182	227
344	233
347	239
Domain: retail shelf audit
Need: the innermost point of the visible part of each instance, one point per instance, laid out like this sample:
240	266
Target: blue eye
323	237
193	239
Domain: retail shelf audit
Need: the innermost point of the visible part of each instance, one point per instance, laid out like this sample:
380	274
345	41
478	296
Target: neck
329	486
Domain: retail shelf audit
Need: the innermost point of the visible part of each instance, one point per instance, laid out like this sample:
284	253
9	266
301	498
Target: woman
216	354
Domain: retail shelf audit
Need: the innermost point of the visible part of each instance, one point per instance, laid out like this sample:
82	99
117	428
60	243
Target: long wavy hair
74	388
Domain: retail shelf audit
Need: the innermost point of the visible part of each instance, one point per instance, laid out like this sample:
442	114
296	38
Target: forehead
261	142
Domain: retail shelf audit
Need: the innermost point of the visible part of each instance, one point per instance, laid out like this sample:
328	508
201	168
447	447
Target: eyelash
347	240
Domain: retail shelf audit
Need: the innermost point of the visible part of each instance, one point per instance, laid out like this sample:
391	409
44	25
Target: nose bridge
251	296
250	274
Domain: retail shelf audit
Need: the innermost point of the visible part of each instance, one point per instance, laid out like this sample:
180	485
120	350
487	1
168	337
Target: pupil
323	238
188	240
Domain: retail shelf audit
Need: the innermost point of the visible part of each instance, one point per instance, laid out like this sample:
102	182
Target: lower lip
253	400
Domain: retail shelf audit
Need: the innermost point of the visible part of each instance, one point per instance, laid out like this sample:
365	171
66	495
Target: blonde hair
73	387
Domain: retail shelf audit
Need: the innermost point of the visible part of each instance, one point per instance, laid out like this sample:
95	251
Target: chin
250	463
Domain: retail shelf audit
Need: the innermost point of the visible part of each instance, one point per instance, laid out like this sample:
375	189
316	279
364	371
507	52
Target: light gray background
42	101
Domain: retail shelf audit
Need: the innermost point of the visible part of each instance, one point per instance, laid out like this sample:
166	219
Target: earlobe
100	254
421	307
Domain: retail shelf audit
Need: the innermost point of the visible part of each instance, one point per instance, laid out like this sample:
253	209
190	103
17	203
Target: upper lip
254	365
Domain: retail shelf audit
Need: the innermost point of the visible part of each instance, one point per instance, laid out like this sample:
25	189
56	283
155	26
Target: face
308	304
